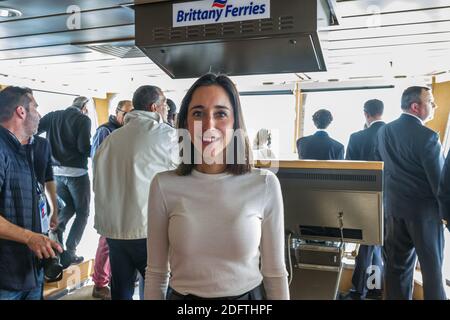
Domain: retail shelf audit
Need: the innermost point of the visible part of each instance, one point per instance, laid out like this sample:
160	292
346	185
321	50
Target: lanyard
35	187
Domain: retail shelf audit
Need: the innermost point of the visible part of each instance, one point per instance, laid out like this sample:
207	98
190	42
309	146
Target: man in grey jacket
125	163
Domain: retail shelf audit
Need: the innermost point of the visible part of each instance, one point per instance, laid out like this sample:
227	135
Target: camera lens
52	270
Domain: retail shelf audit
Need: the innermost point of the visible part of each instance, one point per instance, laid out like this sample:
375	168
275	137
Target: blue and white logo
219	11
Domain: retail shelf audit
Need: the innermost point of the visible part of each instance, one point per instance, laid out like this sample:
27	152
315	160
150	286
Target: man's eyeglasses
124	112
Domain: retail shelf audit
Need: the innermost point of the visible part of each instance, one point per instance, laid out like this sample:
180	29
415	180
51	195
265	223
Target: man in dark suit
320	146
412	165
361	147
444	192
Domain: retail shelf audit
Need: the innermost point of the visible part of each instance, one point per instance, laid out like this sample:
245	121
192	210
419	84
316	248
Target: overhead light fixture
9	13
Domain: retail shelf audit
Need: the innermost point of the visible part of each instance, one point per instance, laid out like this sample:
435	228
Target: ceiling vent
123	52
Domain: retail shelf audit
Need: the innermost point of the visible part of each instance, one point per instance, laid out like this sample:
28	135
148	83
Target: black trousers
257	293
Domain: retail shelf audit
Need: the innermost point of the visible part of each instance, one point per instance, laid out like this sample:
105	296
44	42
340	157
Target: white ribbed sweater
212	230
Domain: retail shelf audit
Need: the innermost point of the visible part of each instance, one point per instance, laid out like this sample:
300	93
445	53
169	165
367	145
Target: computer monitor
333	200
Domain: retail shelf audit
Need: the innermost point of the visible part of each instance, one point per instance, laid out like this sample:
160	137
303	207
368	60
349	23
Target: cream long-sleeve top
211	231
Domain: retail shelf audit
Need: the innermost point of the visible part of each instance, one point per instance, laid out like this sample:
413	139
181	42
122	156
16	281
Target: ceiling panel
71	37
407	48
94	67
392	19
389	31
41	52
376	38
38	8
369	7
58	23
60	59
390	41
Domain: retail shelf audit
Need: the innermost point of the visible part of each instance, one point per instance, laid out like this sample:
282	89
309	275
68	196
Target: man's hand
50	192
42	246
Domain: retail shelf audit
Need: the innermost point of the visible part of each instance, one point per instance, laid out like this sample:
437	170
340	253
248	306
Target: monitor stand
316	269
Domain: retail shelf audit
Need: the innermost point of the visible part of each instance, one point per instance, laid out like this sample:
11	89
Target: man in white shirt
125	163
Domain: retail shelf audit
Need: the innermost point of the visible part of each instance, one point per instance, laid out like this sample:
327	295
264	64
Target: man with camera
21	241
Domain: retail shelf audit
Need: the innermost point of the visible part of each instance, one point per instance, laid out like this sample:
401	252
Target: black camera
53	269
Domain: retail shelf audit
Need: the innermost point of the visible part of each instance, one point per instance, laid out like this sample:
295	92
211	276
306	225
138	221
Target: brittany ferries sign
219	11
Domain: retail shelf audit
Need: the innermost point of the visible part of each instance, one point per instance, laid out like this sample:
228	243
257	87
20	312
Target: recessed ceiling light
9	12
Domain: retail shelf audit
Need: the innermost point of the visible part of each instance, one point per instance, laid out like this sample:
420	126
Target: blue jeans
125	257
76	193
35	294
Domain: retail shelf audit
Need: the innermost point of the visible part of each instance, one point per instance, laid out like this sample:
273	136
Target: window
49	101
347	110
273	112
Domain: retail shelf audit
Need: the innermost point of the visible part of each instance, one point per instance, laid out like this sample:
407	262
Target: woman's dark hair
172	107
240	138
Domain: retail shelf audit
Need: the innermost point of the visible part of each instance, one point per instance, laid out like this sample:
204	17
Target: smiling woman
216	222
210	120
211	112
